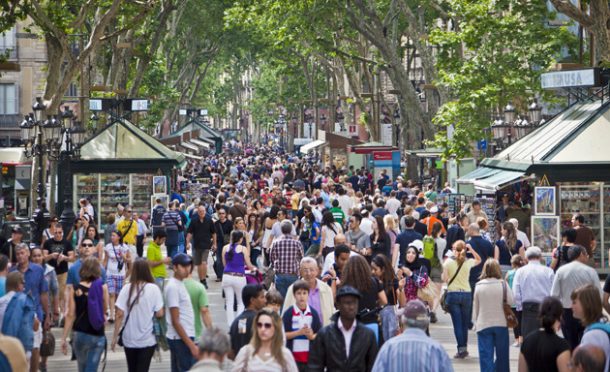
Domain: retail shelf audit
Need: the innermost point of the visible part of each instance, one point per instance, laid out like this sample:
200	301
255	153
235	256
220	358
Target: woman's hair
310	215
118	233
254	225
328	220
90	269
110	218
491	269
236	236
277	342
437	227
416	253
482	222
273	212
569	234
96	236
517	261
460	251
511	235
357	273
389	222
239	219
387	276
550	311
381	227
140	274
591	303
274	297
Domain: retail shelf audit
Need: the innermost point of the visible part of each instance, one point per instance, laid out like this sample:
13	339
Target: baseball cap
417	244
17	229
182	259
348	290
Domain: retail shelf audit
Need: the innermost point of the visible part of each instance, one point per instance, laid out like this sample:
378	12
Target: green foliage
496	56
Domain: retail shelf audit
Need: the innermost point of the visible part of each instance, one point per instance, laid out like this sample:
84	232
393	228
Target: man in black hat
8	248
345	344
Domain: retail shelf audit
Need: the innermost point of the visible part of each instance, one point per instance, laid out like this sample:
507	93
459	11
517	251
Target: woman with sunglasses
93	234
266	351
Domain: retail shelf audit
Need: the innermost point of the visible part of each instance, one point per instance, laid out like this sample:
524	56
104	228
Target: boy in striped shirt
301	323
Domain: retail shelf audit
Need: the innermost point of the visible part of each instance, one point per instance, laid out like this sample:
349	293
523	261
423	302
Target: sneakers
205	283
433	318
461	355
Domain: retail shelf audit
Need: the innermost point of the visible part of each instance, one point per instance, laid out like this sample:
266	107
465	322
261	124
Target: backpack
601	326
95	305
429	251
19	319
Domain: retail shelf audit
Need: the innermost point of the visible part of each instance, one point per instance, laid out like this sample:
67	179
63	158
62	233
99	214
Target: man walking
531	284
413	350
345	344
568	278
253	296
285	254
180	317
405	238
584	235
201	237
128	227
9	248
157	215
58	252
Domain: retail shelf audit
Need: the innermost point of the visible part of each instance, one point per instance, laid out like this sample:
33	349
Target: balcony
10	121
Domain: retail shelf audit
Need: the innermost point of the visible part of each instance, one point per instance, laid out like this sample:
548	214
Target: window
8	99
8	40
72	90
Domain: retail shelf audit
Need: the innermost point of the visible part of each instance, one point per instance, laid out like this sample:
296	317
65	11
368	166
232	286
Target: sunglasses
87	245
265	325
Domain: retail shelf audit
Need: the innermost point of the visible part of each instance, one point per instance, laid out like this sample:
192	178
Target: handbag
511	319
120	341
444	305
47	347
429	293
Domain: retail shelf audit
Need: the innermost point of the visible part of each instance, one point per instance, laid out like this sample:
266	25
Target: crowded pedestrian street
304	186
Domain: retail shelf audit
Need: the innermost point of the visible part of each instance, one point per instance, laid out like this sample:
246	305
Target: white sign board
139	105
386	134
341	128
565	79
95	104
309	130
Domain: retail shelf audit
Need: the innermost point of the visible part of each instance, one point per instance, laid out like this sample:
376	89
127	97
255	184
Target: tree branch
567	8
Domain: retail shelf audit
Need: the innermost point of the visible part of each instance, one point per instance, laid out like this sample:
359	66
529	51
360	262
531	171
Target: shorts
200	255
115	283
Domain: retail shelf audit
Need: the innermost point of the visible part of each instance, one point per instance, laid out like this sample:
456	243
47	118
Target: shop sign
386	134
382	155
574	78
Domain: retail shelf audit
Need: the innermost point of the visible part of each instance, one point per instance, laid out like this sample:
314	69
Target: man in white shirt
568	278
392	204
366	225
520	234
345	202
180	317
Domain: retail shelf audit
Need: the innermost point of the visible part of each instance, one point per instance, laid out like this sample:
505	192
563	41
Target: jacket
328	349
327	306
19	319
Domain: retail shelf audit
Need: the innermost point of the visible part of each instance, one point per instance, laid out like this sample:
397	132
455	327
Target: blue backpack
19	319
603	326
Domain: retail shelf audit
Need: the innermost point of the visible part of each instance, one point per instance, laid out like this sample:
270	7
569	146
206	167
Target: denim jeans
181	358
460	307
88	350
282	282
493	339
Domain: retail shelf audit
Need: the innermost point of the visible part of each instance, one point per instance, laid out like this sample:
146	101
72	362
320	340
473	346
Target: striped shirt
413	350
300	344
170	219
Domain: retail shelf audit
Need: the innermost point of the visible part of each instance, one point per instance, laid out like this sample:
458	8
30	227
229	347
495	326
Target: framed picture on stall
545	201
159	185
545	232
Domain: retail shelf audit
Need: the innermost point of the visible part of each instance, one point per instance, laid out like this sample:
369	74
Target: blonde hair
460	251
491	269
277	343
390	222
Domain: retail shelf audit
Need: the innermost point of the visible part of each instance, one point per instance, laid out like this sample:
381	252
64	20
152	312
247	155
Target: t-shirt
461	280
360	239
62	247
114	254
338	215
138	331
241	330
153	253
74	273
129	230
599	338
369	298
541	350
199	299
202	232
176	295
584	237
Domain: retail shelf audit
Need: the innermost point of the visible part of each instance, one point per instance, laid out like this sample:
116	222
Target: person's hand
64	346
36	324
308	332
55	255
326	278
407	272
60	258
468	247
113	344
401	283
167	260
48	322
194	350
332	272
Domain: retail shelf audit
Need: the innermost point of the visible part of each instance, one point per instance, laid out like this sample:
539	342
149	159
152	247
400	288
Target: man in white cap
520	234
413	350
531	284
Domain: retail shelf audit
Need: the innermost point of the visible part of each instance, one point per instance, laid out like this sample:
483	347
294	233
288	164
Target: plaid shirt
285	254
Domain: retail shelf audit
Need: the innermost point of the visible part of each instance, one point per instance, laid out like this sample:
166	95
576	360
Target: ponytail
460	251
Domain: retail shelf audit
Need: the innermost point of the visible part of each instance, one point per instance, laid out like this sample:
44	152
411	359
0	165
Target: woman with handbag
138	302
458	298
85	316
491	296
117	258
329	230
382	270
310	233
414	275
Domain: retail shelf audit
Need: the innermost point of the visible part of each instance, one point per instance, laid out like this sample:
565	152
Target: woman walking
85	316
329	230
491	292
508	246
459	299
136	302
117	258
380	240
382	270
414	274
235	257
266	351
93	234
543	350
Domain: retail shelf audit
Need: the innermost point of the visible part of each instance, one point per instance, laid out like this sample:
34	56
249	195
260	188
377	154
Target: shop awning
192	156
492	179
12	156
310	146
429	152
200	143
189	146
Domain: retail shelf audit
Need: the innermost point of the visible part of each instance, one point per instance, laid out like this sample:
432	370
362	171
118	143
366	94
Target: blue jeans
88	350
460	307
282	282
181	358
493	339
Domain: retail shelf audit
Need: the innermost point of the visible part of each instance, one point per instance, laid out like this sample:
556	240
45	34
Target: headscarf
415	265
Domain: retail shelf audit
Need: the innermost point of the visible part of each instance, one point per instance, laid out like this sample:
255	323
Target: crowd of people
320	269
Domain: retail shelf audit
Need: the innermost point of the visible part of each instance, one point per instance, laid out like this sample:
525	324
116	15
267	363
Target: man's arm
206	316
175	318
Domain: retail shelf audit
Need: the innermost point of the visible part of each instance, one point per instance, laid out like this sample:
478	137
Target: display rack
141	190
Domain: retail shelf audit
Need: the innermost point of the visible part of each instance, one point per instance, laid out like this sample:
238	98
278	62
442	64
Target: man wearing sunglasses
86	249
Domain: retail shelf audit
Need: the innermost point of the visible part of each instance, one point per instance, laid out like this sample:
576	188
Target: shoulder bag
444	305
120	341
511	318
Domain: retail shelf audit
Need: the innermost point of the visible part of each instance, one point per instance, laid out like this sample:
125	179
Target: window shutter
17	99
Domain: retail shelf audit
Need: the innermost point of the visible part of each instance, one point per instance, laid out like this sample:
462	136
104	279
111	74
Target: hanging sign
567	79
